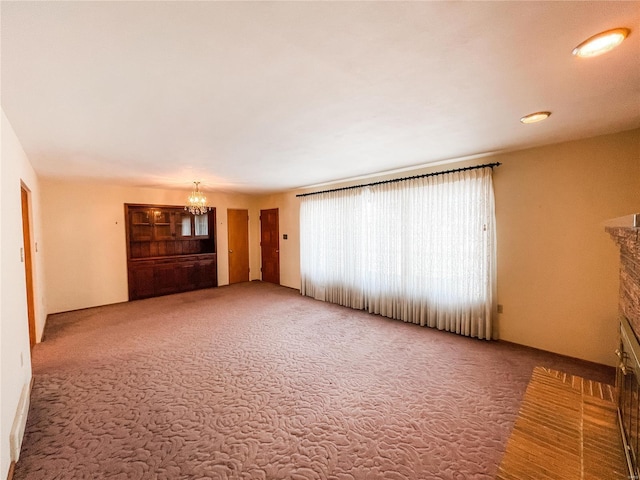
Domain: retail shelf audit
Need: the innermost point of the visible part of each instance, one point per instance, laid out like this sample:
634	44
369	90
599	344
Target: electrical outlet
500	308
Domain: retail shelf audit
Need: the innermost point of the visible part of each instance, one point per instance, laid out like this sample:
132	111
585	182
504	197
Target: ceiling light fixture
601	43
197	201
535	117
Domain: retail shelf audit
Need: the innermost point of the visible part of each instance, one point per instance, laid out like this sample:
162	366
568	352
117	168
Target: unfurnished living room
320	240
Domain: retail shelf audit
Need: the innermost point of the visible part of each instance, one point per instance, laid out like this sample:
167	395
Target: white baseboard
20	422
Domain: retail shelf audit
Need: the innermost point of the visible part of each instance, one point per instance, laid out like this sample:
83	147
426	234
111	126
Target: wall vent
19	423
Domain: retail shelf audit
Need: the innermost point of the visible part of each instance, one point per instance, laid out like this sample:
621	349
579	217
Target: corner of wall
15	353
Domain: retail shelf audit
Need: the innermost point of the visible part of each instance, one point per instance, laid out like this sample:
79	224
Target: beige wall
15	355
289	224
557	268
85	238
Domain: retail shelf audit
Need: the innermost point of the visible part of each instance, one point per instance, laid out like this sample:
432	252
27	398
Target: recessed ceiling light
535	117
601	43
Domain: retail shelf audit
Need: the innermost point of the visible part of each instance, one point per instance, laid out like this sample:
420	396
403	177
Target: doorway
270	245
238	234
28	263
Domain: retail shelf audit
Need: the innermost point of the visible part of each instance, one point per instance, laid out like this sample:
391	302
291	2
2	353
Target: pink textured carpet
254	381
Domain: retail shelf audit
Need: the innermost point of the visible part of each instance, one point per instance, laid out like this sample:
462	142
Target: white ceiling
262	96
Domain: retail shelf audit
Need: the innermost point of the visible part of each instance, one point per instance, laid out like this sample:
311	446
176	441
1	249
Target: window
421	250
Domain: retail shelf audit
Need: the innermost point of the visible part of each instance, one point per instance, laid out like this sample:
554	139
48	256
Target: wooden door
270	245
238	230
141	280
185	275
207	275
28	265
164	277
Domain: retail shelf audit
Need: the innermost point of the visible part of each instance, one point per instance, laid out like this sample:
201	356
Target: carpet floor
254	381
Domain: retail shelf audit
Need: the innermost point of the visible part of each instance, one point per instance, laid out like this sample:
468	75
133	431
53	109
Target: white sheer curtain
420	250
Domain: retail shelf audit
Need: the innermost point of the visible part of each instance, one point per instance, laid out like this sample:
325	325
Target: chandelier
197	202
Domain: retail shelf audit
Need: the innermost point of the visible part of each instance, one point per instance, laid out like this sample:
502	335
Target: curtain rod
403	179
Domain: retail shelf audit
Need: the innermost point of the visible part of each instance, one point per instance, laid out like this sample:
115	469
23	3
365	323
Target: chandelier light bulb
197	204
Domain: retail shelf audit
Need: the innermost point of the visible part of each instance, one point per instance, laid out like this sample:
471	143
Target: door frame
27	258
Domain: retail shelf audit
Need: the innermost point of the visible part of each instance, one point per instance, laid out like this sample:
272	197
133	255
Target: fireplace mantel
626	237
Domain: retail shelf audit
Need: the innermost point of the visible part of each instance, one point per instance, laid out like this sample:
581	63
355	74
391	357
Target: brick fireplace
628	239
628	371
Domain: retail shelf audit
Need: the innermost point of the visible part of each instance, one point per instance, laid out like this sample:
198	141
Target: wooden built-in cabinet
169	250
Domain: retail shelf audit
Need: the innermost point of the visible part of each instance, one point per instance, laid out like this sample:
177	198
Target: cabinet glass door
185	225
202	225
140	225
162	227
140	217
